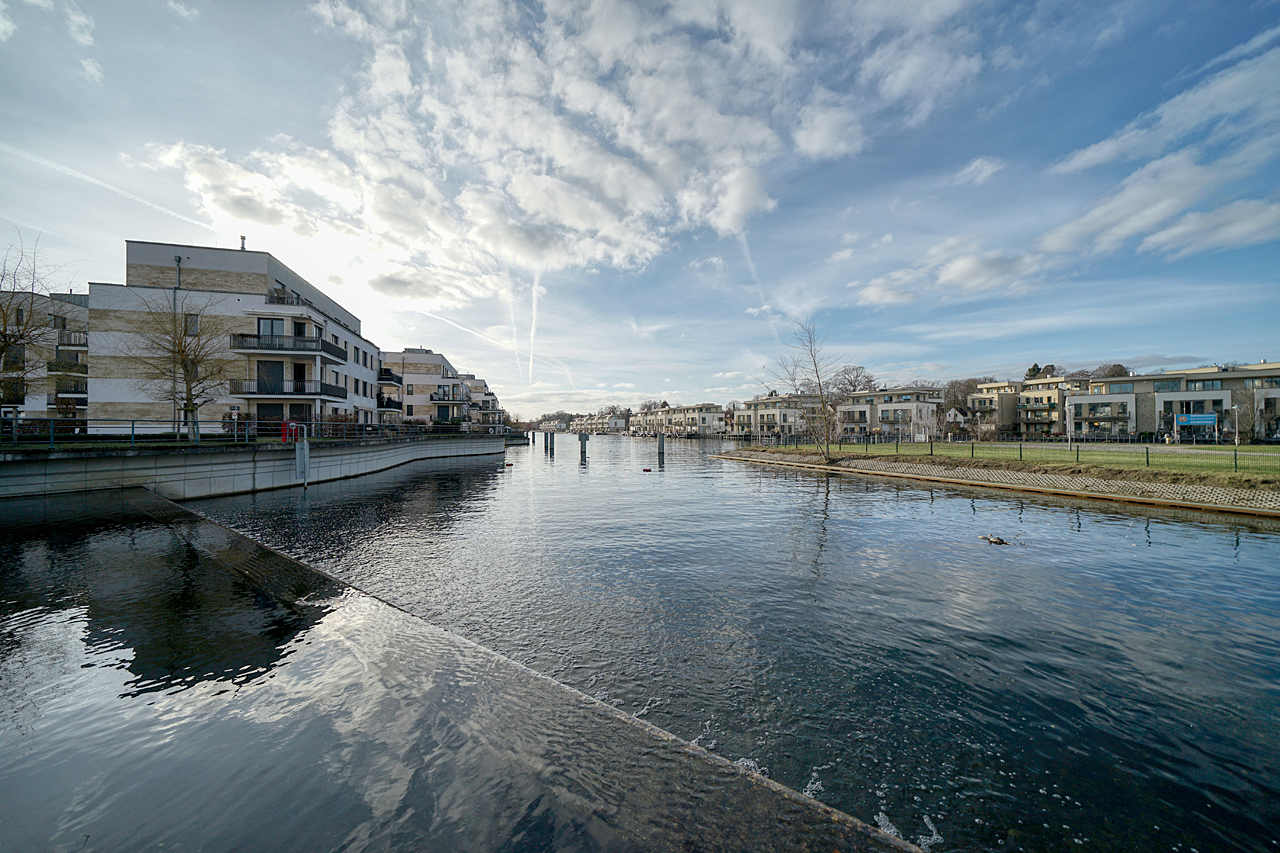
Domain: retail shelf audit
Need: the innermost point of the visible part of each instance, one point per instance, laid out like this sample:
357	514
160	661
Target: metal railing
286	388
105	433
72	339
67	367
386	374
388	403
287	343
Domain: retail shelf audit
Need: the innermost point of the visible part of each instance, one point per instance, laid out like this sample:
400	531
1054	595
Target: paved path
1249	501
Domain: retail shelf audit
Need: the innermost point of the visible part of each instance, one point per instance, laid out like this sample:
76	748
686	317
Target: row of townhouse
698	419
289	351
1188	404
601	424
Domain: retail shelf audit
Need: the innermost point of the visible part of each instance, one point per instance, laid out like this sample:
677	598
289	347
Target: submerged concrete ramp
356	727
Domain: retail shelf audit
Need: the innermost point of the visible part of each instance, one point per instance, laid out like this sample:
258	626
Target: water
1108	682
152	700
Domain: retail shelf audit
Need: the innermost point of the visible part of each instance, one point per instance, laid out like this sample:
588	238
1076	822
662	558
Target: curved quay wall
202	471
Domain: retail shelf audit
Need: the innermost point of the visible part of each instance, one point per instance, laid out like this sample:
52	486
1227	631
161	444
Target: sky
597	202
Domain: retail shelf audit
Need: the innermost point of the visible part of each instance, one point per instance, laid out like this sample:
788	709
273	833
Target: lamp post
1235	410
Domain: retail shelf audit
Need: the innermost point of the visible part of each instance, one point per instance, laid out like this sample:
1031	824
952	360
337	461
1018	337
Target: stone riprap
1251	501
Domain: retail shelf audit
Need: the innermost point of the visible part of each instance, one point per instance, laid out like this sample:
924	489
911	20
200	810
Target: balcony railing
72	339
388	403
385	374
67	367
286	388
287	343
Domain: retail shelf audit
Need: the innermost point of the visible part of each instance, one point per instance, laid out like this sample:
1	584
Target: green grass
1177	458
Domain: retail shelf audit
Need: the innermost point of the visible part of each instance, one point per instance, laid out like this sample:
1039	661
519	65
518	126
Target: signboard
1196	420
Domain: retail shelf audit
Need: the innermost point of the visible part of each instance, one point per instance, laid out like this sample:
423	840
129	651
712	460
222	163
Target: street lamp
1235	410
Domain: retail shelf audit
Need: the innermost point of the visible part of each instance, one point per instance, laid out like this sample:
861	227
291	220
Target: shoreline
1256	502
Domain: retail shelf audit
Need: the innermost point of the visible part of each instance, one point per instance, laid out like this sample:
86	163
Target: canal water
1109	681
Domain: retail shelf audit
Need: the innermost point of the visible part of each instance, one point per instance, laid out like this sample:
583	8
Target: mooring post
661	447
583	438
551	443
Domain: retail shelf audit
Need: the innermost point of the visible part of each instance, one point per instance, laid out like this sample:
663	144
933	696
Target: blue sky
592	203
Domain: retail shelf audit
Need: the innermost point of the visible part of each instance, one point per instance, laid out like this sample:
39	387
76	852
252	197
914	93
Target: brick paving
1253	501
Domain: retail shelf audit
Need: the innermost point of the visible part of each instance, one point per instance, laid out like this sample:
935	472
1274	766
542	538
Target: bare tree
852	379
178	351
957	391
808	370
1107	370
27	338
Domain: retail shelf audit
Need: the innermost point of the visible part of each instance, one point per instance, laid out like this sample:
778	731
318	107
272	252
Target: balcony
387	376
286	388
67	367
288	344
72	339
388	404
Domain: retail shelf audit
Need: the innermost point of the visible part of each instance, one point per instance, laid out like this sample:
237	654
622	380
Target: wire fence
114	432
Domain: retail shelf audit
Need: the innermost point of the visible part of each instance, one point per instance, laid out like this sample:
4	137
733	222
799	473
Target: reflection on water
152	700
1108	682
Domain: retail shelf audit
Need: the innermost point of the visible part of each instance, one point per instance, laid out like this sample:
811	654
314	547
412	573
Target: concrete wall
209	471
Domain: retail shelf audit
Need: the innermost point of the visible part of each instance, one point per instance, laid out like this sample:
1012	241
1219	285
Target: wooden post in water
661	446
583	438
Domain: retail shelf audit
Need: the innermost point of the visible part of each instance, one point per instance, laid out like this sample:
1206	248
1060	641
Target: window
1260	382
408	410
270	326
57	322
408	389
1168	385
1077	408
192	324
1204	385
15	357
366	359
1121	388
21	316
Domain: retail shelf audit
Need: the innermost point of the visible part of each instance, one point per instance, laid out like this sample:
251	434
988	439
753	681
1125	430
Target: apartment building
434	391
1041	408
268	345
993	408
774	414
700	419
44	365
597	424
486	415
1177	403
913	413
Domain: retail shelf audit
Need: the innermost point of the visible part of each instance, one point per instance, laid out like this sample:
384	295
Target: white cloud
188	12
974	272
80	25
979	171
880	294
1233	105
91	70
1141	203
7	26
921	71
1242	223
826	129
842	255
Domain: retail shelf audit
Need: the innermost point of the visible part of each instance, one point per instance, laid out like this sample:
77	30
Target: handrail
288	343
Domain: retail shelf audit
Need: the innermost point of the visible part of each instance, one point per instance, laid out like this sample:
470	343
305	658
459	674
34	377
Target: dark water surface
1109	682
152	700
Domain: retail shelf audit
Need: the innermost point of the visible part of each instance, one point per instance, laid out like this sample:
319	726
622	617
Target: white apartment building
300	354
434	391
912	413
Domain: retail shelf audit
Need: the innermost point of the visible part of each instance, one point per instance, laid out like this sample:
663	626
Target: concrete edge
172	514
1233	509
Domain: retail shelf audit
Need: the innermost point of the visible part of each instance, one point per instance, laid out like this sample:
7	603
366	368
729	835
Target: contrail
511	309
58	167
755	276
486	339
533	322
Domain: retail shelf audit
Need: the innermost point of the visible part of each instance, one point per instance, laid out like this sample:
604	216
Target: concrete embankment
211	470
365	727
1258	502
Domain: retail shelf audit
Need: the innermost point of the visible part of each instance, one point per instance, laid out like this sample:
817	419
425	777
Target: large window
1168	385
1121	388
270	326
1204	385
192	324
1263	382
